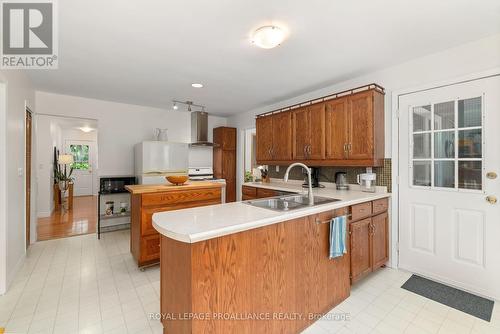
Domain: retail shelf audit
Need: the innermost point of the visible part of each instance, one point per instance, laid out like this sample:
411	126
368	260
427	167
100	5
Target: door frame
28	173
395	213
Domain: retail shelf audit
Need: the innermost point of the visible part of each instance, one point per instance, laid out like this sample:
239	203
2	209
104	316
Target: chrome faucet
310	192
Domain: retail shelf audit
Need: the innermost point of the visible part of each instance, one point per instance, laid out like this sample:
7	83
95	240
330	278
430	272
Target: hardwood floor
82	219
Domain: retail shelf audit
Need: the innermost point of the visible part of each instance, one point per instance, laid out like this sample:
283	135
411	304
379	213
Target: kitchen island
236	268
147	199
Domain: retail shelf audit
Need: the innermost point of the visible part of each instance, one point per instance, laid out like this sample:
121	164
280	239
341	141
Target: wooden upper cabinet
282	137
264	138
361	126
316	149
308	132
225	138
345	131
337	129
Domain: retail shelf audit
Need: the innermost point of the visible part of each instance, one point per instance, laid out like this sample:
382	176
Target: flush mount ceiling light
197	85
86	129
268	37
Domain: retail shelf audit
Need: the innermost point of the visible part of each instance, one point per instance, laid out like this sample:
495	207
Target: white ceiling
149	52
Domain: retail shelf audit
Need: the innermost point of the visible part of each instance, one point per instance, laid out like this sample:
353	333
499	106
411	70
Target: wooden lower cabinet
360	248
144	239
369	239
249	193
277	269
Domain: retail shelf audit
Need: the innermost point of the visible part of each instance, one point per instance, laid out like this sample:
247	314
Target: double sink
289	202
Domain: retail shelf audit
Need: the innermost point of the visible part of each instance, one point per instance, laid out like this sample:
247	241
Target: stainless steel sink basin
286	203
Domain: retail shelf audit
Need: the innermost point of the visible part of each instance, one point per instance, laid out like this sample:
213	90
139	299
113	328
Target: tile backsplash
327	174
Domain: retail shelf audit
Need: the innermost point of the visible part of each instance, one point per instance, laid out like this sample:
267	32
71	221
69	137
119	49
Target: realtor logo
29	39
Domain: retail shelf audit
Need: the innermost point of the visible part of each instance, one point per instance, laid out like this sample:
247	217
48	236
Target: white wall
121	126
19	92
468	58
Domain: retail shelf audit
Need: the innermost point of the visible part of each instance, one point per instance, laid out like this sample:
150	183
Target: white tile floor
81	285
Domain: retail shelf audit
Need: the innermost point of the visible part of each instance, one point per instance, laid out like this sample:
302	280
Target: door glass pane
421	118
444	115
469	175
444	174
81	156
444	144
469	112
422	173
469	143
422	146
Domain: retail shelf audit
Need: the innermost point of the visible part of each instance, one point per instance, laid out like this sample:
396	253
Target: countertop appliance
115	184
341	181
156	159
367	182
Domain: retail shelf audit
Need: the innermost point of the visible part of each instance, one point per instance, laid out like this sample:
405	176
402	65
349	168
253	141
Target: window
81	156
447	145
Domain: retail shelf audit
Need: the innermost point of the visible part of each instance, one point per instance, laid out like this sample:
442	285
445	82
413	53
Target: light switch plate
277	169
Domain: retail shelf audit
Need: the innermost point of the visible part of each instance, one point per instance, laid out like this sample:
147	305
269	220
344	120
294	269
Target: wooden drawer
249	192
328	215
262	193
380	205
184	196
150	248
360	211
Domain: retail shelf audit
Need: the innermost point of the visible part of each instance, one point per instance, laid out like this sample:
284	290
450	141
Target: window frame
456	158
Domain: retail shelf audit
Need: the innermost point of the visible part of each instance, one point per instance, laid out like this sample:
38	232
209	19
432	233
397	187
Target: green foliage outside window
81	156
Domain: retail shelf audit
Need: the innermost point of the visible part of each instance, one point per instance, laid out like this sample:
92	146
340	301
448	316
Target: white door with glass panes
449	159
82	151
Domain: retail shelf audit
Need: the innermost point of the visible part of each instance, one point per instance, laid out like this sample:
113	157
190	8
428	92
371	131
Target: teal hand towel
338	227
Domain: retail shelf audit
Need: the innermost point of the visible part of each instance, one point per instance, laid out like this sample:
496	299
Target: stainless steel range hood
199	129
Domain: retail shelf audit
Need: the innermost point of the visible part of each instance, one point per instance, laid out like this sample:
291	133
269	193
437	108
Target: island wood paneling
278	269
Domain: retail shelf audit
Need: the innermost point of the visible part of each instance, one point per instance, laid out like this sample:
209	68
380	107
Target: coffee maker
314	178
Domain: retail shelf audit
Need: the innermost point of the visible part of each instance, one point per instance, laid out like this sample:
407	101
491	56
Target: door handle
491	199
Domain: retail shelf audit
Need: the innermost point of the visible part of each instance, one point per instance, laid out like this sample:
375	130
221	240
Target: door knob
491	175
491	199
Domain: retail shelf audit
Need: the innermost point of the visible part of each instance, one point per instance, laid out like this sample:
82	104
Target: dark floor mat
463	301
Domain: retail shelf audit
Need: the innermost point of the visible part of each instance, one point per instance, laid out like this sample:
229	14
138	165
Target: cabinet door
282	136
316	131
229	138
360	249
380	242
336	129
230	191
264	138
301	133
361	126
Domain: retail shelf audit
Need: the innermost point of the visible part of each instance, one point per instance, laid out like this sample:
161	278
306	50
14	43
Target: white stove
203	174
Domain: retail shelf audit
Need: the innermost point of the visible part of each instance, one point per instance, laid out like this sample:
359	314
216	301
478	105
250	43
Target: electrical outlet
20	172
277	169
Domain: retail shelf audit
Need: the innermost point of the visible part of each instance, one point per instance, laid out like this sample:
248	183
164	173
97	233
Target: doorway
28	130
73	211
83	152
448	166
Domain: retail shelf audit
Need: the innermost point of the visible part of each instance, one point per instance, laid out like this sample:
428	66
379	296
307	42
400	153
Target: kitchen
321	167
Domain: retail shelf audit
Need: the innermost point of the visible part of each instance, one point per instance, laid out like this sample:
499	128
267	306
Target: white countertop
207	222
